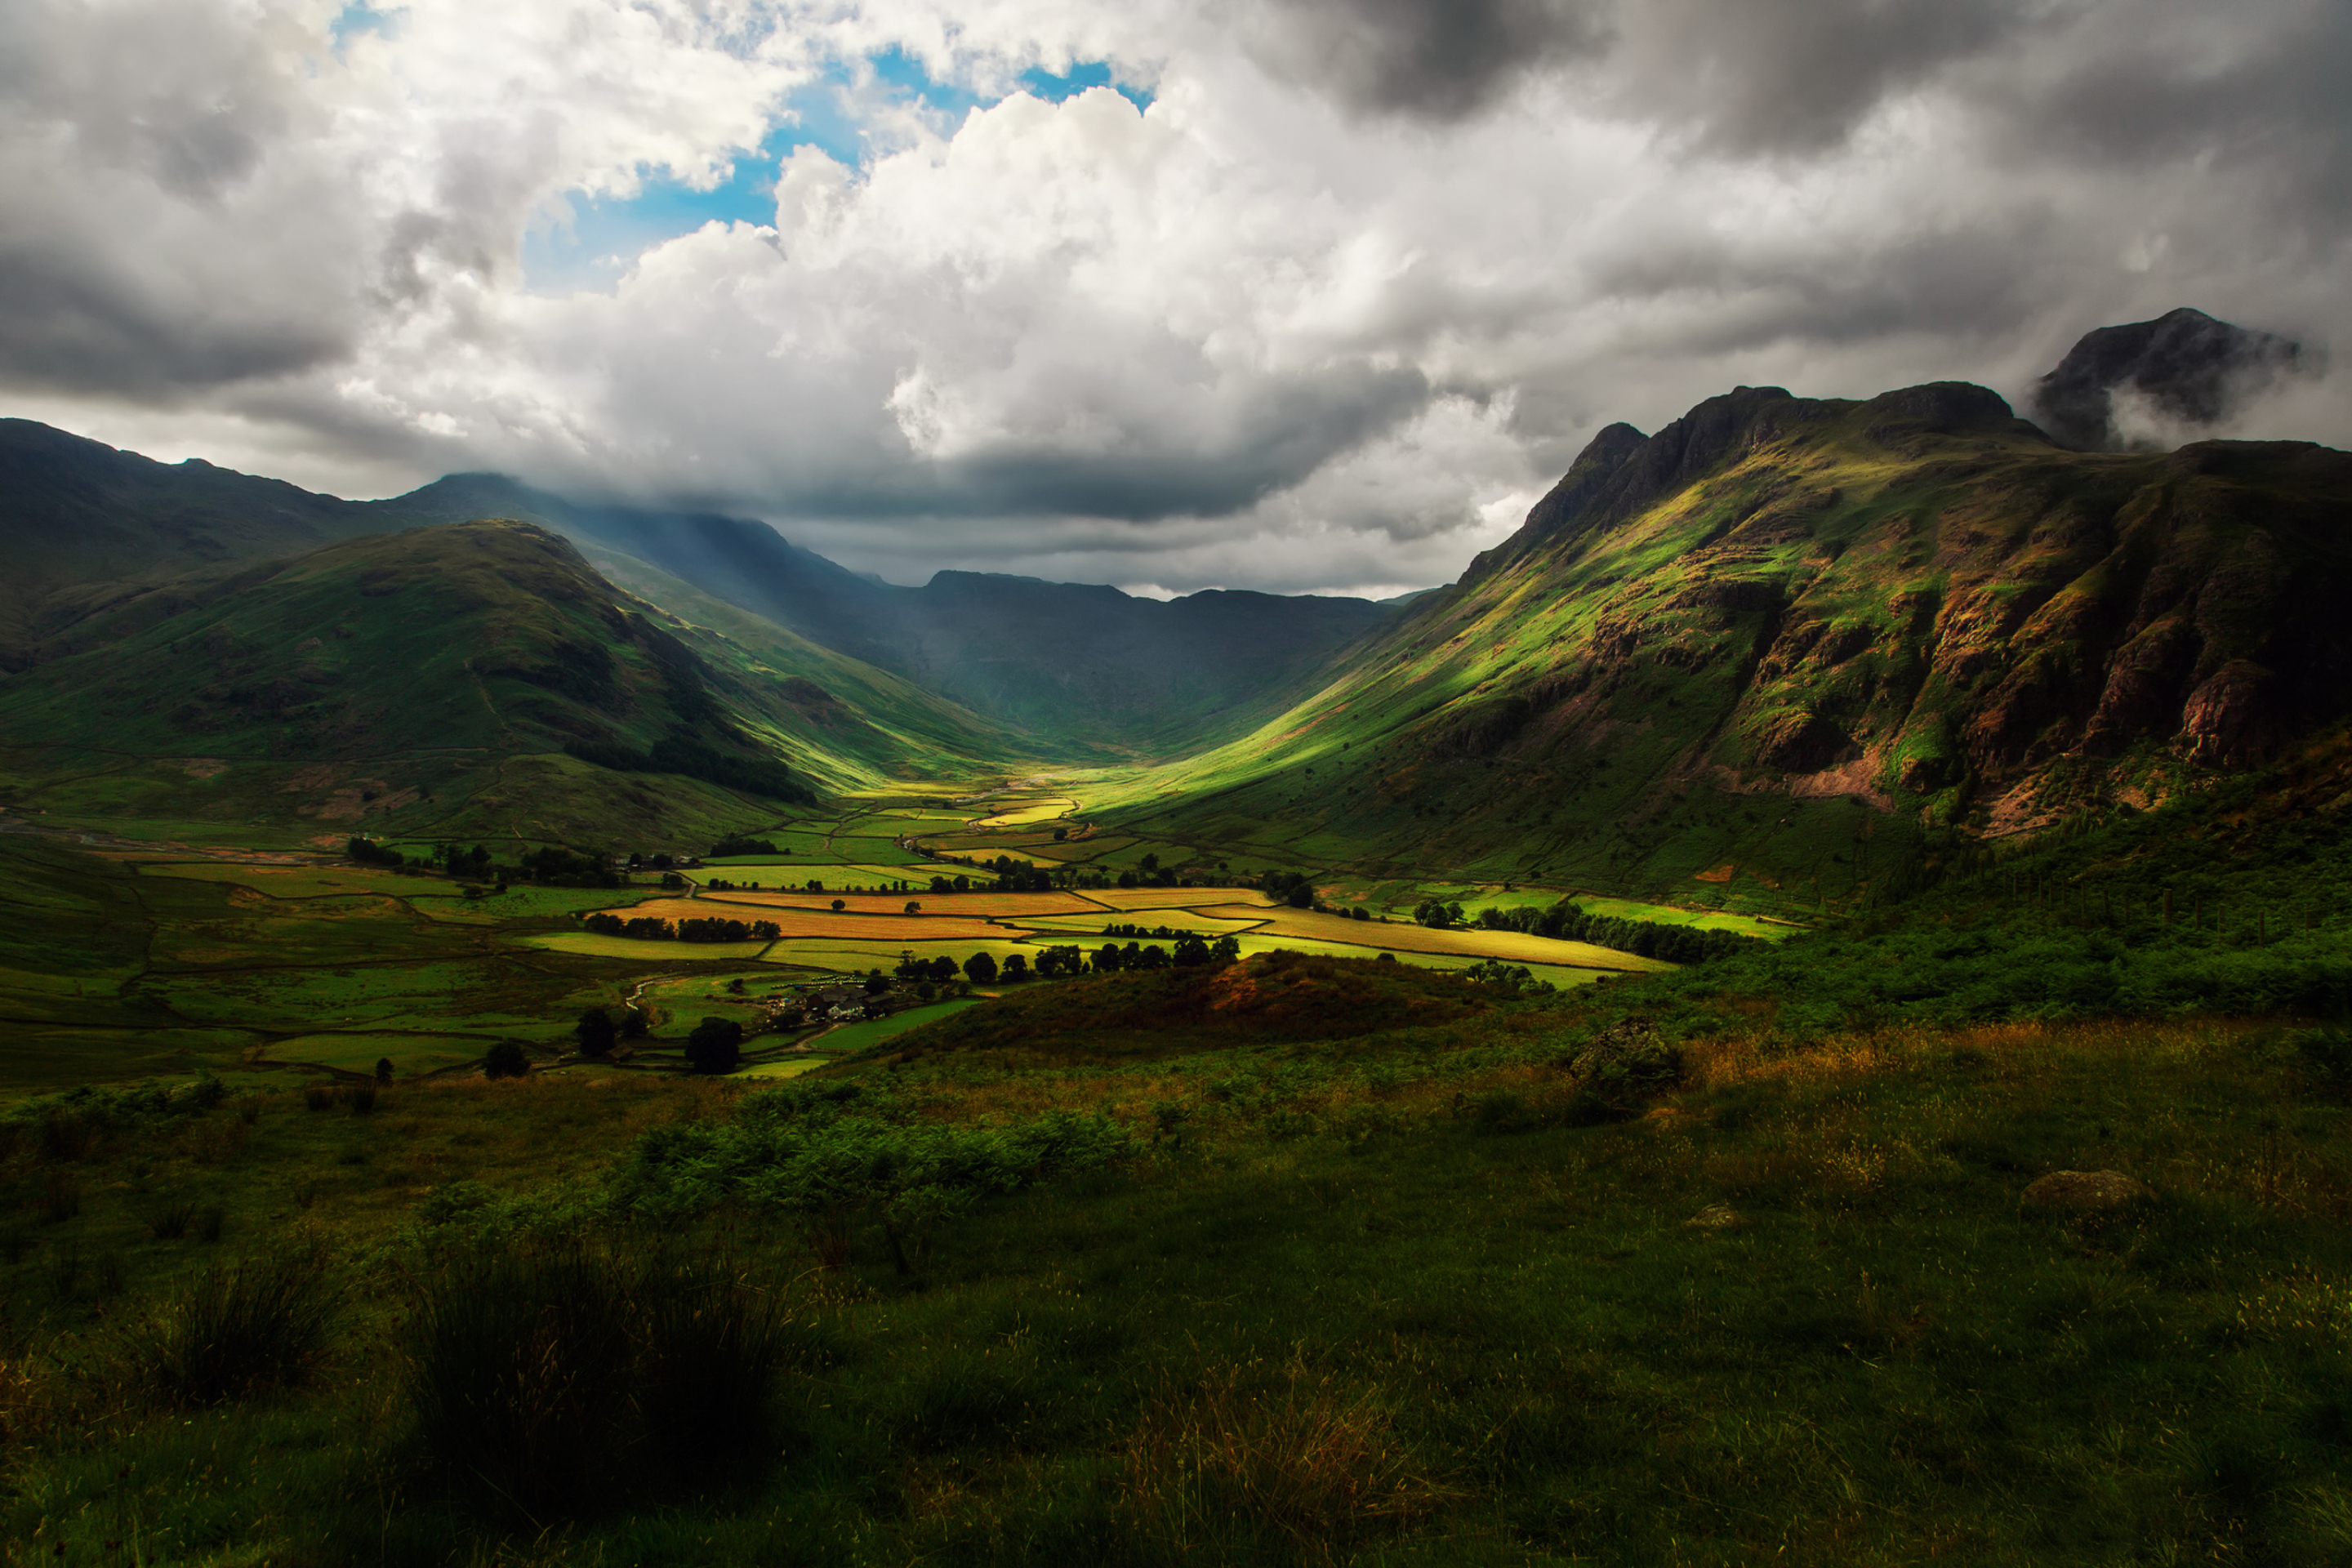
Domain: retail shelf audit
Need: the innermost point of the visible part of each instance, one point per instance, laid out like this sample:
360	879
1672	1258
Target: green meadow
1336	1253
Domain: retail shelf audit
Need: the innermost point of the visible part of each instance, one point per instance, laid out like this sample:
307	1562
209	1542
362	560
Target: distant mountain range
1703	651
1093	672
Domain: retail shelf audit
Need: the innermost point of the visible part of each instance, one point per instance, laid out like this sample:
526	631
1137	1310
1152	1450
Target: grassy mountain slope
426	682
1092	671
82	524
1783	640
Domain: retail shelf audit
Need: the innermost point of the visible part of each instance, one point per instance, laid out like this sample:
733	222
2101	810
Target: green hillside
477	679
1780	645
82	524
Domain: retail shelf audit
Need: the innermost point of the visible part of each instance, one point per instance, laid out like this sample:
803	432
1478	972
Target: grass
1328	1308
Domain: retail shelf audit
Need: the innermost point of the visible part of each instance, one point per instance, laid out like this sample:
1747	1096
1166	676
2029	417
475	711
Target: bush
550	1376
506	1060
256	1323
170	1222
716	1045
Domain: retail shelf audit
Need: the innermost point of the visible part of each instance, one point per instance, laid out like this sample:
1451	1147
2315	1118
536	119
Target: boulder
2083	1191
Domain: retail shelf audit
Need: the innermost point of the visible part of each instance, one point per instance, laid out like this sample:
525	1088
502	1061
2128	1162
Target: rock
1716	1216
2083	1191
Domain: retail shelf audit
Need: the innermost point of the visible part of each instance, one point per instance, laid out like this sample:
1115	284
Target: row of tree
651	927
1565	922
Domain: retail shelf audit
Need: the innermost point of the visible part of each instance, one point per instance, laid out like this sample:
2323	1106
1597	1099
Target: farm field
268	959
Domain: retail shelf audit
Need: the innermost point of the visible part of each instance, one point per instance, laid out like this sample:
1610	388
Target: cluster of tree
689	758
1515	978
598	1031
981	969
1190	950
716	1045
650	928
1018	876
555	867
368	852
735	844
1646	939
1130	929
1290	888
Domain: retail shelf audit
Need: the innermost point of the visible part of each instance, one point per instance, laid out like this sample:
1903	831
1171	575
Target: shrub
170	1222
506	1060
259	1322
548	1376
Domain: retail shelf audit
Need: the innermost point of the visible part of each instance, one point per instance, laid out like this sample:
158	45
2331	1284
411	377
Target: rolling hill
1090	671
1783	641
476	679
1085	671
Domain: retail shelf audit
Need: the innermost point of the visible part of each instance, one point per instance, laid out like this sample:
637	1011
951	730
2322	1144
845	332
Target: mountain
82	523
1094	671
1793	641
478	678
2185	368
1087	672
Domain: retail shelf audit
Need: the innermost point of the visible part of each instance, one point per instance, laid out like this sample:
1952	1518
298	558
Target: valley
1796	1011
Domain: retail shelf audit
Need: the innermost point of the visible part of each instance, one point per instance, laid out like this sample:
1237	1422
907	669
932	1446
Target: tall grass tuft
259	1322
551	1377
60	1197
1307	1472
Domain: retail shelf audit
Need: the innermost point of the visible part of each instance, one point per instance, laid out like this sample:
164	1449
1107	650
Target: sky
1298	295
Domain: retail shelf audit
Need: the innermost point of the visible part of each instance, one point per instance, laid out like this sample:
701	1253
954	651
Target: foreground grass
1371	1297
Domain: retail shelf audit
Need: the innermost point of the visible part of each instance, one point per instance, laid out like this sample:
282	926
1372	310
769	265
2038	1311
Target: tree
1190	950
839	905
595	1034
980	969
1151	862
634	1023
914	907
506	1060
1225	949
1015	970
384	1070
716	1045
1301	897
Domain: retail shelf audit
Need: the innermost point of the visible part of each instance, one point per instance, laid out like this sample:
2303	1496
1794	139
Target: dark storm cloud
142	236
1733	75
1786	76
1440	59
2279	106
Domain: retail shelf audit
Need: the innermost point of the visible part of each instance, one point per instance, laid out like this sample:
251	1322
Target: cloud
1352	280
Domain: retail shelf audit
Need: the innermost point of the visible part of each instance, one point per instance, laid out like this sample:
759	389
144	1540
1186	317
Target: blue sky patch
605	236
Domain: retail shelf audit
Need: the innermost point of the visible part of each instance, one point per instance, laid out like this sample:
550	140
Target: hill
1088	670
82	524
477	679
1781	642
